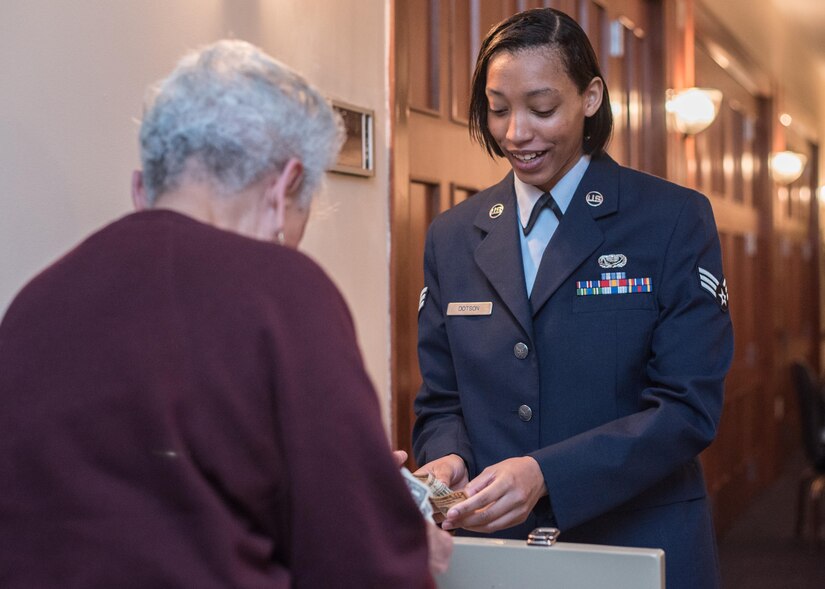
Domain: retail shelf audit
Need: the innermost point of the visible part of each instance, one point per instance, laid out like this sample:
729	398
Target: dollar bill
420	493
433	497
444	503
437	488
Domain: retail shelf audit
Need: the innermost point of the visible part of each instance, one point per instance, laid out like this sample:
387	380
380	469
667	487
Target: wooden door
434	163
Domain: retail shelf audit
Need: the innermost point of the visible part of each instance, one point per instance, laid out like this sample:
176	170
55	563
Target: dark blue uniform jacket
618	393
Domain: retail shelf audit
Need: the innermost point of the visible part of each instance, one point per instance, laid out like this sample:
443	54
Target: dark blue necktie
546	200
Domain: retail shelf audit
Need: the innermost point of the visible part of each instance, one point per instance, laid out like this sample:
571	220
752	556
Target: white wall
73	77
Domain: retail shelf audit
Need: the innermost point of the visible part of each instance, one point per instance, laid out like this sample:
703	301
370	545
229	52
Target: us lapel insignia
496	210
612	261
613	283
594	198
718	289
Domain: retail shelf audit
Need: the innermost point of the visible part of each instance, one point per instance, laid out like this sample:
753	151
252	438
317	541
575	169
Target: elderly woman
184	403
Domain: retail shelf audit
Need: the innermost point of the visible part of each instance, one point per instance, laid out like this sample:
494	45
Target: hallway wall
74	75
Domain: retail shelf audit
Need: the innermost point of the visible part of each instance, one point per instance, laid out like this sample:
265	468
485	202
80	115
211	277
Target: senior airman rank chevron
422	298
718	289
613	283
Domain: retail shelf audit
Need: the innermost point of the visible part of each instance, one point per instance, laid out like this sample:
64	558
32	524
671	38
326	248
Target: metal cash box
488	563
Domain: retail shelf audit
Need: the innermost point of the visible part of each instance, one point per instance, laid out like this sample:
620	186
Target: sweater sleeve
352	522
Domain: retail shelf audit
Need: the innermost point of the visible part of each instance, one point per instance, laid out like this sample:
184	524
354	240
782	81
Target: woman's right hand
440	548
449	469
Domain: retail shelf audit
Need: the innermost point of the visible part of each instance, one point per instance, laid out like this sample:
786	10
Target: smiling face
536	113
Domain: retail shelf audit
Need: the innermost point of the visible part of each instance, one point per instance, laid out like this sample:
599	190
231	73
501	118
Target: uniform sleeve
691	350
439	428
351	520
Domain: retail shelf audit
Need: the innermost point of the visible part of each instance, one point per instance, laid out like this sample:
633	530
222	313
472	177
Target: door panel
423	205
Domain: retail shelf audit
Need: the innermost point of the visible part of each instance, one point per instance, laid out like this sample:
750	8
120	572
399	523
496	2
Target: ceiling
806	18
787	39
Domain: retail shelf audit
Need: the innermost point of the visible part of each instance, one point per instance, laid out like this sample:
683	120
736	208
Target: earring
279	237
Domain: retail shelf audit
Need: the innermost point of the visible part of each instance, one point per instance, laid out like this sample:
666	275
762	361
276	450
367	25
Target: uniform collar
563	191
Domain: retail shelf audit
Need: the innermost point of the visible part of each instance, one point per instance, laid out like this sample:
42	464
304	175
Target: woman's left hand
400	457
500	497
440	546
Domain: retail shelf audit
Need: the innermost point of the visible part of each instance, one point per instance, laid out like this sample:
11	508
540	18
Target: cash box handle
543	537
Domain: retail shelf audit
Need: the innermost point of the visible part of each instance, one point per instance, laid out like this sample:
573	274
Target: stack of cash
433	497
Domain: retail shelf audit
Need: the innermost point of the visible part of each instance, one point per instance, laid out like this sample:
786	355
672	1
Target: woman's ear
139	191
294	170
287	185
593	95
280	193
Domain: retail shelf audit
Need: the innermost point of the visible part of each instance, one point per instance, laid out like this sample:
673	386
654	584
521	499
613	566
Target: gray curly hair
238	114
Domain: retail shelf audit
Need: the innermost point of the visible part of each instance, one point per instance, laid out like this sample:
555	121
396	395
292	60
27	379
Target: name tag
470	308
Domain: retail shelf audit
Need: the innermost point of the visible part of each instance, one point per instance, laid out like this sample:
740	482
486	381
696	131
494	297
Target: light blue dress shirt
533	245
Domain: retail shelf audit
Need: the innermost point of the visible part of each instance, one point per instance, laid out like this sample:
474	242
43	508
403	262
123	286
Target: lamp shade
692	110
787	166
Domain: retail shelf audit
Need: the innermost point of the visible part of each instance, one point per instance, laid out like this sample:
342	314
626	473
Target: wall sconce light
692	110
787	166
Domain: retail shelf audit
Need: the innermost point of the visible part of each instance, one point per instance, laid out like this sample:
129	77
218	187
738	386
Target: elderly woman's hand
400	457
439	542
440	545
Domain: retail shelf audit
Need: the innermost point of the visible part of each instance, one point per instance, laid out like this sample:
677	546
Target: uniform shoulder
649	186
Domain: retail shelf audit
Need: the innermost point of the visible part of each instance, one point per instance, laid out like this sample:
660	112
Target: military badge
718	289
613	283
612	261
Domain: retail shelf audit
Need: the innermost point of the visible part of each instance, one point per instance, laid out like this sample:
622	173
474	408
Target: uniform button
521	350
525	413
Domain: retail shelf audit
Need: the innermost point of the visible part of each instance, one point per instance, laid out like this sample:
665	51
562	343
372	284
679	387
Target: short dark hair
536	29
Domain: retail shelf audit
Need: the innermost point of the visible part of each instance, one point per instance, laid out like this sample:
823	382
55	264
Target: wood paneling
768	240
462	59
425	43
635	78
423	204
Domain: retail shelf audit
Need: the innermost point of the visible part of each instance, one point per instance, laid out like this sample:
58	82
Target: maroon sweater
181	406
